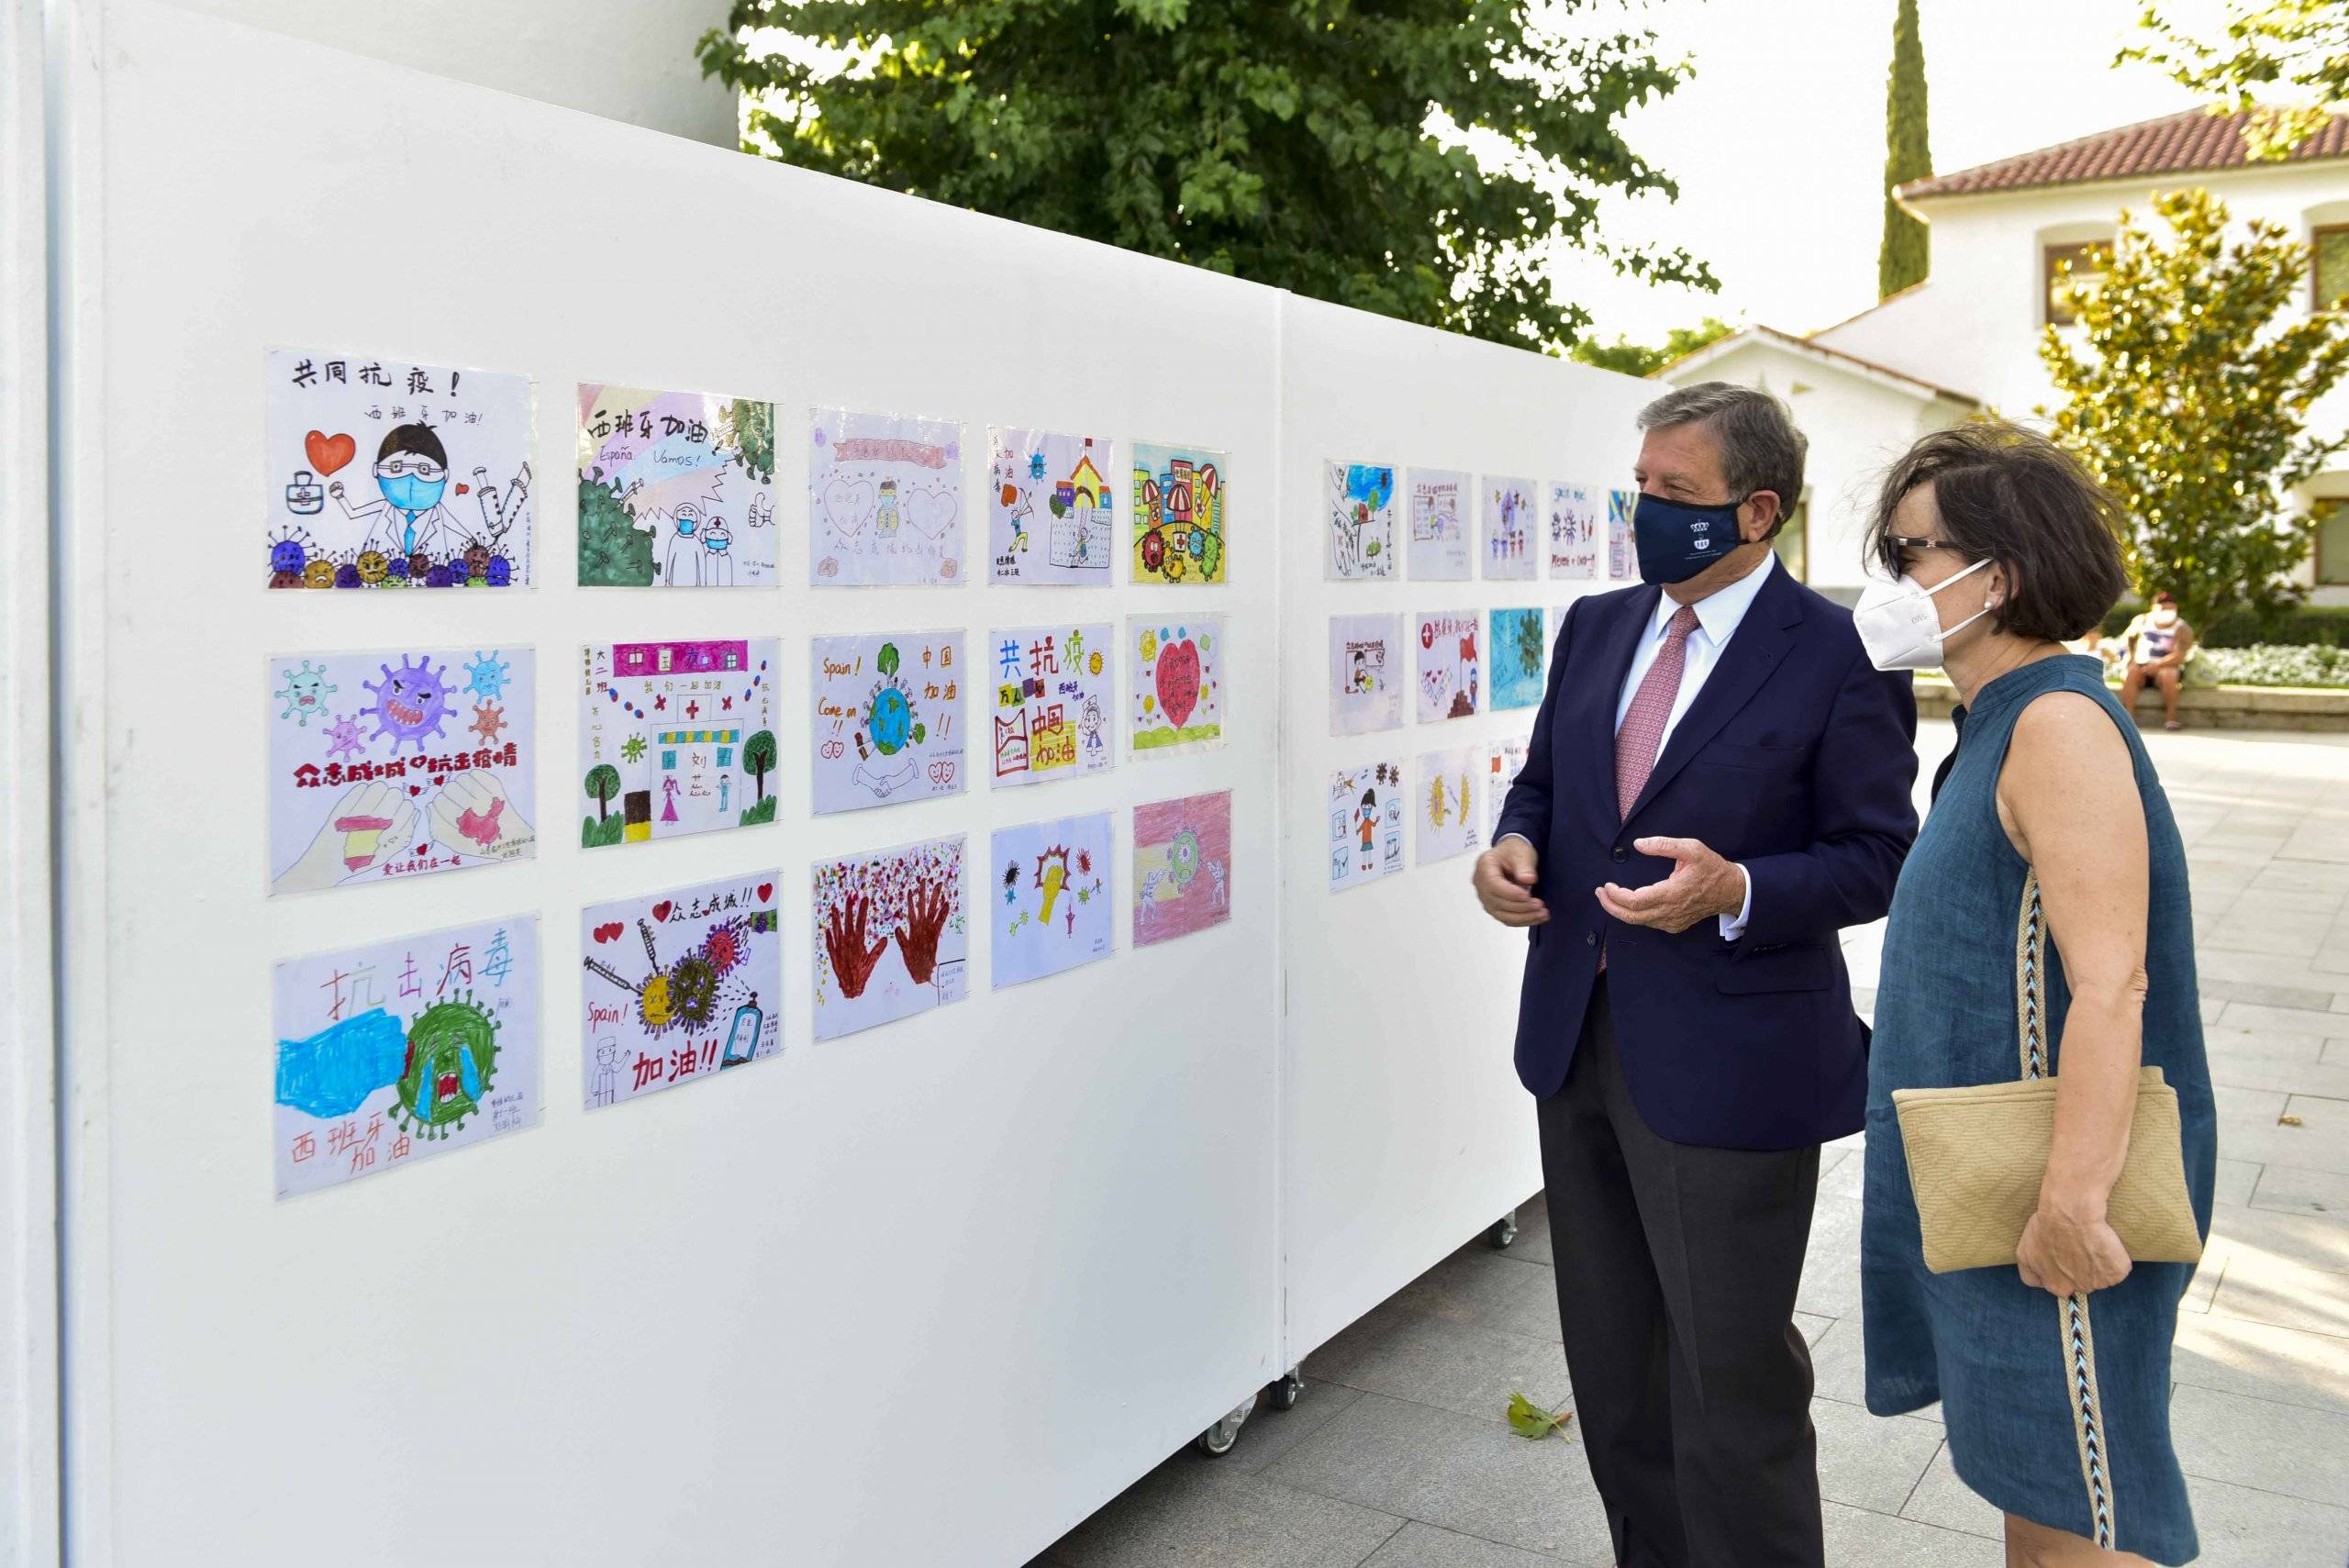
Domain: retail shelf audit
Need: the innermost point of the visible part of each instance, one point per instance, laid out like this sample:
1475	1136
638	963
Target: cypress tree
1903	257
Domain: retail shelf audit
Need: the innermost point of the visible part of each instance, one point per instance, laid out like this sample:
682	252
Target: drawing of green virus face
1183	857
305	693
451	1063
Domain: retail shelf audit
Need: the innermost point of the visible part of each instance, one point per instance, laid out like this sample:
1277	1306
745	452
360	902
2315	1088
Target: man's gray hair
1760	447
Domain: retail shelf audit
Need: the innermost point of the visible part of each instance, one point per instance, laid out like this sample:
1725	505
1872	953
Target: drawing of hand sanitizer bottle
305	496
742	1040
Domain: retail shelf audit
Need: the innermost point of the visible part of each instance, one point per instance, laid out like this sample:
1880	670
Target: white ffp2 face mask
1899	626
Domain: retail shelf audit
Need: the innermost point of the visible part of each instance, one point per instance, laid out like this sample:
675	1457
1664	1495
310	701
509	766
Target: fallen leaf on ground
1530	1420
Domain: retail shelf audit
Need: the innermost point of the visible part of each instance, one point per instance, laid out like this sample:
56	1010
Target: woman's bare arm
2068	799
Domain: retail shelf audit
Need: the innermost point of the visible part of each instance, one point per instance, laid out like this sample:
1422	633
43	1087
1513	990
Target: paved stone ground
1398	1456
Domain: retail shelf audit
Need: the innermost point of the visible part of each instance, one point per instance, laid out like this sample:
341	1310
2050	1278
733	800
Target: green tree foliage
612	553
1417	157
1905	255
603	783
1638	359
2187	392
2300	47
758	759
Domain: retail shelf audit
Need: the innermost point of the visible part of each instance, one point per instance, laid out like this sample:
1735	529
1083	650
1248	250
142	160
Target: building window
2329	266
2087	262
2333	541
1793	541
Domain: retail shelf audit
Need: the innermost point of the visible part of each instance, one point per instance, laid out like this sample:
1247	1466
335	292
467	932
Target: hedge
2302	625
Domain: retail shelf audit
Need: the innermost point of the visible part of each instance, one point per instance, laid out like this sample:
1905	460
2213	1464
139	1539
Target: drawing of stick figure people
717	570
607	1072
412	473
686	553
669	799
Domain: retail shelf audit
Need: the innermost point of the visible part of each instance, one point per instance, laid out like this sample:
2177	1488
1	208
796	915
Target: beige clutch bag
1977	1154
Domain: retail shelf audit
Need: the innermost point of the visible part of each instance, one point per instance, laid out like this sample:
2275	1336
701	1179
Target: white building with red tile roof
1967	338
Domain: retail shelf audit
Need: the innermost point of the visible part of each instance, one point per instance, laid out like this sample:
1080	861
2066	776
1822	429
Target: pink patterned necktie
1641	736
1642	733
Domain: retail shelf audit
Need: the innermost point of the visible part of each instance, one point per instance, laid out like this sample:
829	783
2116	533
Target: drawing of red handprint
917	938
844	943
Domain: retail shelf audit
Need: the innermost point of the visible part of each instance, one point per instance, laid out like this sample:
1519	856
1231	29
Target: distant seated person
2156	646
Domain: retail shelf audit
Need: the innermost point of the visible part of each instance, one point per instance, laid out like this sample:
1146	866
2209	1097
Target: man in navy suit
1719	782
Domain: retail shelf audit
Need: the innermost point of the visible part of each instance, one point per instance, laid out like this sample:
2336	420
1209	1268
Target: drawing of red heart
660	910
462	487
416	789
766	891
327	453
610	932
1178	681
424	848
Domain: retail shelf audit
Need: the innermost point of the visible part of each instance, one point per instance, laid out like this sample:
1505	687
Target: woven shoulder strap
2030	964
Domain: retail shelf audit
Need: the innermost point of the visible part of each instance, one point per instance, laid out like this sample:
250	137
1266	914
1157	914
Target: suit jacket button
1621	854
1590	938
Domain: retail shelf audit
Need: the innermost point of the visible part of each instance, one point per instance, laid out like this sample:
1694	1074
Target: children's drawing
675	738
1055	688
1510	550
884	499
1622	558
399	763
1182	867
1449	823
886	726
1180	499
1519	654
1051	897
1439	545
1177	684
679	987
1365	824
383	474
675	490
1366	677
1574	531
1450	676
1359	501
1502	764
1052	515
891	936
398	1050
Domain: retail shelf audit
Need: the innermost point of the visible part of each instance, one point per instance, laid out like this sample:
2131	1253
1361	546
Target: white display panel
690	1330
1404	1129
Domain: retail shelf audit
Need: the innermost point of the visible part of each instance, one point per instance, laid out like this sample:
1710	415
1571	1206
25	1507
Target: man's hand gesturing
1504	884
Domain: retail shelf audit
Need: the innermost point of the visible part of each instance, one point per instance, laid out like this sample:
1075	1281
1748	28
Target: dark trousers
1678	1268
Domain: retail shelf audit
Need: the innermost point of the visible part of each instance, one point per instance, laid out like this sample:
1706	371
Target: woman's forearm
2096	1097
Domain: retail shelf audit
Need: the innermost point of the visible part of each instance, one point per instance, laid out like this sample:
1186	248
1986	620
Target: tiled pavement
1398	1456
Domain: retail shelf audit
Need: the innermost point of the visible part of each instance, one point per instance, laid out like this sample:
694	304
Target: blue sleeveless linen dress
2057	1410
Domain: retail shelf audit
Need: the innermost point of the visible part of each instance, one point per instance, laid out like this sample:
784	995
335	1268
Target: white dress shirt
1718	614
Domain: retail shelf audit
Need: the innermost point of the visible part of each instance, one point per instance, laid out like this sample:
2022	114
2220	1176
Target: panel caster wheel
1284	1393
1503	1232
1216	1440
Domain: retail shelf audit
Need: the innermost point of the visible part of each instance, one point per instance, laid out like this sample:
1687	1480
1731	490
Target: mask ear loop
1977	615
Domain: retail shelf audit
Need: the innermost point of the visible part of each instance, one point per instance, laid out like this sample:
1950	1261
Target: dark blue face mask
1677	540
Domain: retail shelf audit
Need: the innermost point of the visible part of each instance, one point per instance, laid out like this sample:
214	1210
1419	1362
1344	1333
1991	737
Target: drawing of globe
891	721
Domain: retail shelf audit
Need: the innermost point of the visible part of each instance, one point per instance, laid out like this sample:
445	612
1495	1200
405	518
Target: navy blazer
1795	759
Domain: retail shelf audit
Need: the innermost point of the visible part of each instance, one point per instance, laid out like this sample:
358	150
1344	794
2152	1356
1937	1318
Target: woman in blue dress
2040	926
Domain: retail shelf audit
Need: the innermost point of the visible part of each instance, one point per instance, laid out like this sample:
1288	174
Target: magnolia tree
2188	381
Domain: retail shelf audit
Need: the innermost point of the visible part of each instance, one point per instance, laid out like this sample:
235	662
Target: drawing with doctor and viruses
402	1049
679	987
398	763
384	474
675	490
675	738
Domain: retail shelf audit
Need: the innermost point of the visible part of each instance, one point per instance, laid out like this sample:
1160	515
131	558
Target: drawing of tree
758	757
1528	642
753	426
603	783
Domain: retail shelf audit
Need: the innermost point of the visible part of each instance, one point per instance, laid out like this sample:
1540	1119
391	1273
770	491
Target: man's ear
1757	515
